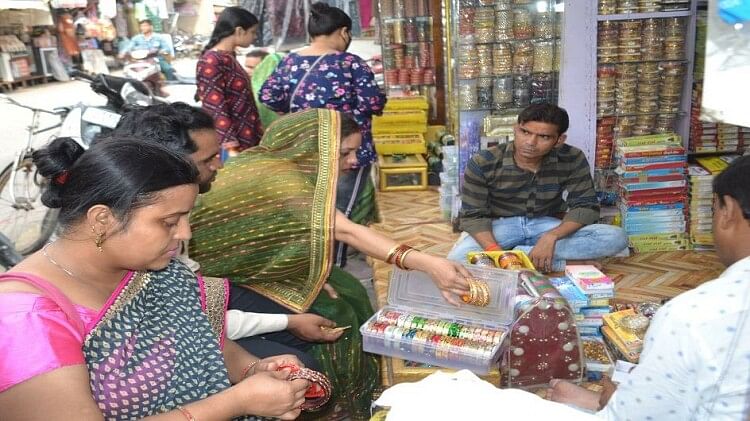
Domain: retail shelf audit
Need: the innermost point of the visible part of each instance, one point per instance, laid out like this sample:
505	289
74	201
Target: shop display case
411	36
629	73
503	56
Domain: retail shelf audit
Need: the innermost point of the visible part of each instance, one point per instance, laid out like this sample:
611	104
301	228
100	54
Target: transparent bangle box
418	324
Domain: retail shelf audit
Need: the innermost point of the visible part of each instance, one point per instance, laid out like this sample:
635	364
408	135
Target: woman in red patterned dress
223	86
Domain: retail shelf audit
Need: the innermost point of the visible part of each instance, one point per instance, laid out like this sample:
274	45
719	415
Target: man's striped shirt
495	187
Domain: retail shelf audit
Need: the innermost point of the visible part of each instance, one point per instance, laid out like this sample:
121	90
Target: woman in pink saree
104	323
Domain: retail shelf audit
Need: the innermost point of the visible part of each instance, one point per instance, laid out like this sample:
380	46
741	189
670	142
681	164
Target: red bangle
493	247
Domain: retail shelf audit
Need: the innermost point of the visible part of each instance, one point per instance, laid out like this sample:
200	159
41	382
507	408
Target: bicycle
24	220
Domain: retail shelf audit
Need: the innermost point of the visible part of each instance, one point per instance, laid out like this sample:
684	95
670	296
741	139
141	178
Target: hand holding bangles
479	293
320	388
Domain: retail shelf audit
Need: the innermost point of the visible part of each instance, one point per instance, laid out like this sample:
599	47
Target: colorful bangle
493	247
247	369
188	416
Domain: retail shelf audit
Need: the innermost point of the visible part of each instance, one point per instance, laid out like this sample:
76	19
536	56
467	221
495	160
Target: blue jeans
521	233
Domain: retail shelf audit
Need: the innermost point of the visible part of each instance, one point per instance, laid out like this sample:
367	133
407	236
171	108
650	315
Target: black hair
546	113
733	182
230	19
349	126
123	173
142	21
325	20
257	53
167	124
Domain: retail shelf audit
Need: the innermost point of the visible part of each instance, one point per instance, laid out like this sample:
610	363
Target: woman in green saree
269	223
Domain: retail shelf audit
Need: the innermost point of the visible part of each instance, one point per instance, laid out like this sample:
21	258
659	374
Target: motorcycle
145	66
25	223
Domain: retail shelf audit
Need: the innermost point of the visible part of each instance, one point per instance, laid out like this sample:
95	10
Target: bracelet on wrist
188	416
493	247
246	370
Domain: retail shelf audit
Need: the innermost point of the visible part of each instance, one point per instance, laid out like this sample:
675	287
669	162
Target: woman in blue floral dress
324	75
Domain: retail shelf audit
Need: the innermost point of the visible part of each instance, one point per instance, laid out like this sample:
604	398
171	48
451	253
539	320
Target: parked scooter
25	223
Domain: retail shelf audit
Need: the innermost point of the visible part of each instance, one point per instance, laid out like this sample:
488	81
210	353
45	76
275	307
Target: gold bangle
391	252
247	369
402	261
188	416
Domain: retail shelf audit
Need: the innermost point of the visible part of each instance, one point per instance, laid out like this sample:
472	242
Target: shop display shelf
466	41
639	114
654	15
646	61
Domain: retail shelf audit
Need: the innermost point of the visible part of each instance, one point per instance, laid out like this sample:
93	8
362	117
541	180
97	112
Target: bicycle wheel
26	222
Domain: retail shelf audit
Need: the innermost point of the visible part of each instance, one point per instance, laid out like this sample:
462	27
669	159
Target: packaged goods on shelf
653	190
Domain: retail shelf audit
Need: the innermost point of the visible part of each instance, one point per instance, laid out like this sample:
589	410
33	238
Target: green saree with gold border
267	224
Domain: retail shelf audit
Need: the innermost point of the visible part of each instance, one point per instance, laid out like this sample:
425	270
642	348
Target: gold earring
99	239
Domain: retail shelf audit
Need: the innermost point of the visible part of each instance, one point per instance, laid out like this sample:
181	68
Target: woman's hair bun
54	163
316	9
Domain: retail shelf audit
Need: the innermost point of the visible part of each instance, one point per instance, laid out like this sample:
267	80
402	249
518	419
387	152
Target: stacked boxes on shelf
399	140
640	77
408	51
588	305
709	136
701	207
701	198
652	187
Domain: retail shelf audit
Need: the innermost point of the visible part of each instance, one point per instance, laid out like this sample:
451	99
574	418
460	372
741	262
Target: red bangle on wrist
493	247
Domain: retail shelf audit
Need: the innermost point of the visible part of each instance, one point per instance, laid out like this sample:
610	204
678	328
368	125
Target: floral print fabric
341	81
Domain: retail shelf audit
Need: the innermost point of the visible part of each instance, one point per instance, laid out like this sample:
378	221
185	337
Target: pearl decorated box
544	341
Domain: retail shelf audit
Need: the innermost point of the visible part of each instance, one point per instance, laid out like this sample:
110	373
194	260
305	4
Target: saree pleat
267	224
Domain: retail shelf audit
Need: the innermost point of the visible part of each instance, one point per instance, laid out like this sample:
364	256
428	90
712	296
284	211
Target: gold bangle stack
397	255
479	293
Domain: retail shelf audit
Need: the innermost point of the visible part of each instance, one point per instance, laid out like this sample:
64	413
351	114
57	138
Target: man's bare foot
595	263
566	392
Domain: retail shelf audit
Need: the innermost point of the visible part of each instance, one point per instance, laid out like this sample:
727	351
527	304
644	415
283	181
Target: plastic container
434	337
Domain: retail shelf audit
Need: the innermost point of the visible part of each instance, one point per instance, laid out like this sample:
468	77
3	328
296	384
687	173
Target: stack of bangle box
419	325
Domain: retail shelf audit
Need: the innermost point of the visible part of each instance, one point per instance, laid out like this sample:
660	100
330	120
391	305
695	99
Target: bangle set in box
419	325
